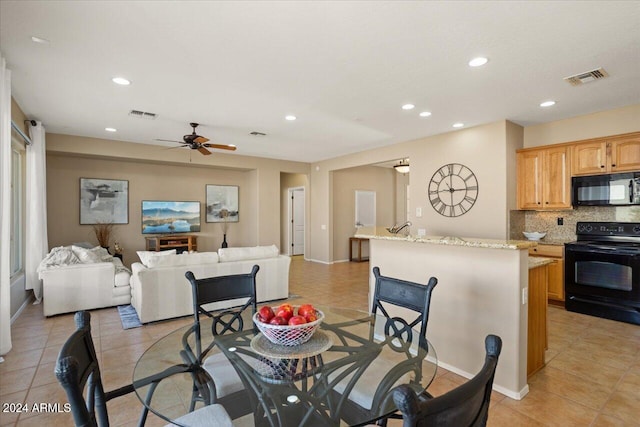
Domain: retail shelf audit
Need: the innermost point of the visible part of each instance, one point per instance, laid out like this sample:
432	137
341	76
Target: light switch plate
525	296
418	212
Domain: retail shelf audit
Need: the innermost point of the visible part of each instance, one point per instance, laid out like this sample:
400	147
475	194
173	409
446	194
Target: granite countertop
536	261
380	233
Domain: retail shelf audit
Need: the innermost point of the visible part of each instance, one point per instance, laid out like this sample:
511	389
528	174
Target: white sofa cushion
146	255
241	254
183	259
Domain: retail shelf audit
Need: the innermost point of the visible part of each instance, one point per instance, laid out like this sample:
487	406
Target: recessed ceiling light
425	114
39	40
408	107
110	129
548	103
121	81
458	125
478	62
290	118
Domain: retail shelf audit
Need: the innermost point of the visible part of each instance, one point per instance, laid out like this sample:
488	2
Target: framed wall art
104	201
222	203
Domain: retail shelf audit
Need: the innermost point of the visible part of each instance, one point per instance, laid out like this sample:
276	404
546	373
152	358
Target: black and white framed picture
104	201
222	203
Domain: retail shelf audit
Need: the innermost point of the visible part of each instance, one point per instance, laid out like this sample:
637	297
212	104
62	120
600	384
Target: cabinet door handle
613	165
602	166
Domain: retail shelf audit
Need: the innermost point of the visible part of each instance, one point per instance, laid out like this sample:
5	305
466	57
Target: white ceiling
343	68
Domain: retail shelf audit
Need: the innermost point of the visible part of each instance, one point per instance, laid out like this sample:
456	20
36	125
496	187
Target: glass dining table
341	376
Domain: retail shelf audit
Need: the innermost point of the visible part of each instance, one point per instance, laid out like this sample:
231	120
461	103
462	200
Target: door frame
290	191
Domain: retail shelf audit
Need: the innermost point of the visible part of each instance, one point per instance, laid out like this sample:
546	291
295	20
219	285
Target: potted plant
103	231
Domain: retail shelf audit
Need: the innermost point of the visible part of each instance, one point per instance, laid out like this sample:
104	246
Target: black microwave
616	189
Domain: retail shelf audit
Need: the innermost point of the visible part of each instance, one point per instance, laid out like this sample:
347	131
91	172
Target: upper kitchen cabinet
613	154
544	179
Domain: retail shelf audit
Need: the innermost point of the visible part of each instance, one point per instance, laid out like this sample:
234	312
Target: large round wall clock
453	190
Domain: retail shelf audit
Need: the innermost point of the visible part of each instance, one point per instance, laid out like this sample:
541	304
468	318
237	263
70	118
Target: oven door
603	282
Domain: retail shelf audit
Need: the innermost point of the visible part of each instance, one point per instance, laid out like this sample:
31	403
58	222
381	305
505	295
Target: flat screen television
166	217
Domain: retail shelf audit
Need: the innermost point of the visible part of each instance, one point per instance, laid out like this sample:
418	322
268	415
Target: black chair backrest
76	369
222	288
410	295
466	405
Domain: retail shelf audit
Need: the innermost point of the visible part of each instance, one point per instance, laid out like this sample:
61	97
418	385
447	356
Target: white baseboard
318	261
517	395
340	260
22	307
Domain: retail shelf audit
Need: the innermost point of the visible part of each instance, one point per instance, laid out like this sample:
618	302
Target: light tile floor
592	376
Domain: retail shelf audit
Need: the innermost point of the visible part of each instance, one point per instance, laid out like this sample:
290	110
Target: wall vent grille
587	77
143	115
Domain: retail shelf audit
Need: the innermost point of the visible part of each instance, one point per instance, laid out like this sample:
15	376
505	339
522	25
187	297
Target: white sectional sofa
76	278
159	289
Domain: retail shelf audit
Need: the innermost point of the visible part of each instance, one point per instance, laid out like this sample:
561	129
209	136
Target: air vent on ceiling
589	76
254	133
143	115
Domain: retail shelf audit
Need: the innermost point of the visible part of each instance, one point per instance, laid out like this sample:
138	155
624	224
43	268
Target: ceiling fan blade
204	151
169	140
221	146
200	139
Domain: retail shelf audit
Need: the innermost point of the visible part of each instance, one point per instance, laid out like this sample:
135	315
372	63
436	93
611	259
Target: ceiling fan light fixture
290	118
402	166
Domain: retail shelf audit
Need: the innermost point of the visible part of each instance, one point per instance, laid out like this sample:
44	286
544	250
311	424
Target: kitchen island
482	289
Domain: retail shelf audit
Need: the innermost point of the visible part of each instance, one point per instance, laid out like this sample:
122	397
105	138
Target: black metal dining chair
228	387
465	406
371	391
78	372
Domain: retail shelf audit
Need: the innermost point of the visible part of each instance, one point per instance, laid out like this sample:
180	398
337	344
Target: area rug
128	317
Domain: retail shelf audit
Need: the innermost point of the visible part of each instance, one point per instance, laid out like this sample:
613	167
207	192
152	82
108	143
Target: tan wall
484	149
605	123
290	180
158	173
345	183
402	180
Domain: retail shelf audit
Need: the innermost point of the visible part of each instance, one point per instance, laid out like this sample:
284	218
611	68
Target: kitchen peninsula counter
482	289
382	234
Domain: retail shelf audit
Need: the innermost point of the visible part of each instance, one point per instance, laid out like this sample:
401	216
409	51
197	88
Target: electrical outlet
560	221
422	232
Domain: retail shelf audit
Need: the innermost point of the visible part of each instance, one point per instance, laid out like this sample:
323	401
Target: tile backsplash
548	220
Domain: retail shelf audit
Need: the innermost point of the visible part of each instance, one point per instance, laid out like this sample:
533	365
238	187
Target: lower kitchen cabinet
556	269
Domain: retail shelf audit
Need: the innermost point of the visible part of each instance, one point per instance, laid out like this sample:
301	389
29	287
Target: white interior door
297	221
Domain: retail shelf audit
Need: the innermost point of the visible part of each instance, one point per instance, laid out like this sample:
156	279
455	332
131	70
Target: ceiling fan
200	143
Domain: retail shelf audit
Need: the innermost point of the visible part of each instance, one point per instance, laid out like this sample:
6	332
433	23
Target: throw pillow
146	255
86	256
239	254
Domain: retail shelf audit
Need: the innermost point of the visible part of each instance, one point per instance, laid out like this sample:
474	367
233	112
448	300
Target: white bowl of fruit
288	325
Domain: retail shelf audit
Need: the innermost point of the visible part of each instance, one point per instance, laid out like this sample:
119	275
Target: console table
359	241
181	243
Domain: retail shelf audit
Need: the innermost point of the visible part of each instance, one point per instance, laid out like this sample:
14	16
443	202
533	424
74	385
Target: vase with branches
103	231
224	214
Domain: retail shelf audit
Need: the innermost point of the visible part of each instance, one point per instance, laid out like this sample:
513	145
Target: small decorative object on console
281	326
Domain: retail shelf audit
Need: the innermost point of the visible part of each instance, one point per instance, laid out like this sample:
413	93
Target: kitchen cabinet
544	180
613	154
556	269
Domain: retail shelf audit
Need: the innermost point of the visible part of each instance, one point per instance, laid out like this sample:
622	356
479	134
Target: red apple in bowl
297	320
265	314
278	320
285	310
306	309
